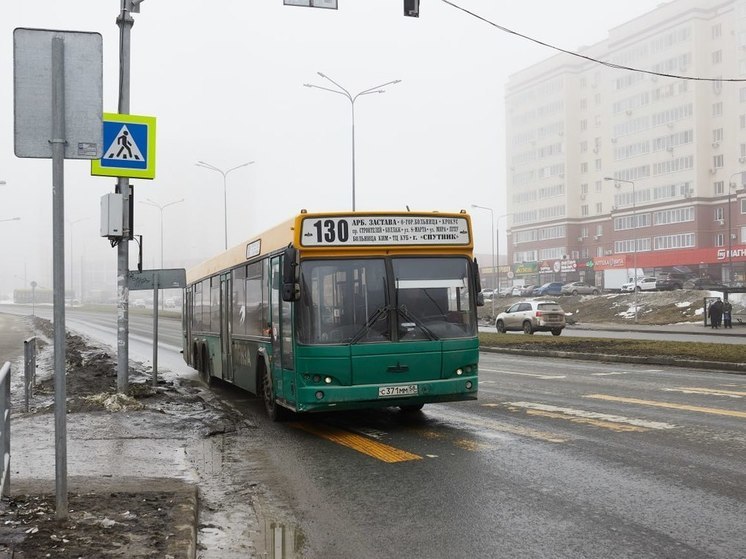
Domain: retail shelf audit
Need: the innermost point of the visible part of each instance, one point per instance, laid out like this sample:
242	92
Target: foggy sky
225	81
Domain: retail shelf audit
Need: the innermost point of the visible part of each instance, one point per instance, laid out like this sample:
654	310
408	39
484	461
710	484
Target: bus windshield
350	300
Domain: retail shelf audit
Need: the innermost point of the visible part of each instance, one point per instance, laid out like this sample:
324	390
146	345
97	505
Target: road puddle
277	540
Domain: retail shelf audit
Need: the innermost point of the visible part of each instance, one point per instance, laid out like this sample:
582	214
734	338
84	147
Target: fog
225	81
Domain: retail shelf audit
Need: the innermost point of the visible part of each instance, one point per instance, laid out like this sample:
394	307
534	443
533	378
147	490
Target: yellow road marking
683	407
618	427
364	445
712	391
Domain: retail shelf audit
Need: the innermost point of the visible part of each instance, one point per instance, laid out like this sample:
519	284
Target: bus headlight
328	380
459	372
468	385
319	395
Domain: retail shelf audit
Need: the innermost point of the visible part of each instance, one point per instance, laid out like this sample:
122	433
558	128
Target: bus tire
205	371
275	411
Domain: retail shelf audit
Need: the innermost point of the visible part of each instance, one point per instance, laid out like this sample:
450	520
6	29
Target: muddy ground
145	521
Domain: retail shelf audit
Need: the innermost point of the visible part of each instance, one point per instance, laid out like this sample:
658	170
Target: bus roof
324	234
271	240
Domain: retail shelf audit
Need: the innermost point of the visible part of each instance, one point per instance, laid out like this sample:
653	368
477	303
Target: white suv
643	284
532	316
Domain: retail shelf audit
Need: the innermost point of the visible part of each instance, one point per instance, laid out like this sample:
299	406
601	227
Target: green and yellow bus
333	311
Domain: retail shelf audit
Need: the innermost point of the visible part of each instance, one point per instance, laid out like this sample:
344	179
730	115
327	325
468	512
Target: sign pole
155	331
58	264
125	22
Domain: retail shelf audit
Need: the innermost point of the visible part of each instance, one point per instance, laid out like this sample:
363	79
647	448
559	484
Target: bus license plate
391	391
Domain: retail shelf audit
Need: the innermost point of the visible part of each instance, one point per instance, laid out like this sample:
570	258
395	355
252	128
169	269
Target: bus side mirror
477	283
290	285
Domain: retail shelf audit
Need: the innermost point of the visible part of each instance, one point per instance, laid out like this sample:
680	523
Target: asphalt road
557	458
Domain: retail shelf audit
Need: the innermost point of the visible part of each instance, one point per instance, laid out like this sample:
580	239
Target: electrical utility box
112	215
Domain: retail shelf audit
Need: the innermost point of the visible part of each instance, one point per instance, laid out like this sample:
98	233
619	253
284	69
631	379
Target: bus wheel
204	367
274	410
411	408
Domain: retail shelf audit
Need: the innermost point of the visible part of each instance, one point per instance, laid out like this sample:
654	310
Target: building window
584	103
598	165
743	150
583	147
717	135
717	109
599	230
719	187
743	205
717	30
584	210
584	124
717	161
599	208
719	240
584	167
719	214
717	57
599	186
742	121
584	188
597	98
742	95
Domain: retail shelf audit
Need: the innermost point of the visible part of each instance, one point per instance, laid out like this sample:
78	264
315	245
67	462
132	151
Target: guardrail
29	369
5	428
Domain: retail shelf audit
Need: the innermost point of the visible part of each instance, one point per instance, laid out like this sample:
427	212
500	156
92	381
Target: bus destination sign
380	230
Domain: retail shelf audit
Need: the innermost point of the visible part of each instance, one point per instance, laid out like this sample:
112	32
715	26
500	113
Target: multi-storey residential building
607	165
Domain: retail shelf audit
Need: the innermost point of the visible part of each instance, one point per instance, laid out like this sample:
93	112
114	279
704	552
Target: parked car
532	316
669	281
579	288
704	283
488	294
527	290
643	284
517	290
549	288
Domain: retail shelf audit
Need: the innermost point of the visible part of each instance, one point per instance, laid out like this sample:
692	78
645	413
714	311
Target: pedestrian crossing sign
129	147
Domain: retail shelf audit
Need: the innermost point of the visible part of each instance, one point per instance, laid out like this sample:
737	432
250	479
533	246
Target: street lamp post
731	187
161	207
351	98
225	195
634	223
497	245
72	278
494	258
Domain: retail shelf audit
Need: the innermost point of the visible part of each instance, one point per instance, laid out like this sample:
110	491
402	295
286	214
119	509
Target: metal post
58	264
155	329
125	22
352	104
634	254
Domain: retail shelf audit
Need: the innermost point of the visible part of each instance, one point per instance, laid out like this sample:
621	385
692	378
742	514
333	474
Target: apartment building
608	166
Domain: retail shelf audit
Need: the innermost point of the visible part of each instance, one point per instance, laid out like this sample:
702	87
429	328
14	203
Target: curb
732	368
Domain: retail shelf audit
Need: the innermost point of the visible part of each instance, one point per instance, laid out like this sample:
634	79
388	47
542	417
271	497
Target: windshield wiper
409	316
380	312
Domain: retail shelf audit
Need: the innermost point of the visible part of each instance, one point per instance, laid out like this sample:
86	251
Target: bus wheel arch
275	411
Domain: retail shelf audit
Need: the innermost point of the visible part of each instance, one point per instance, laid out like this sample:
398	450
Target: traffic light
412	8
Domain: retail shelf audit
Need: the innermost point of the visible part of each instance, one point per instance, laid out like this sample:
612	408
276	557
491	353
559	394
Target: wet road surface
557	458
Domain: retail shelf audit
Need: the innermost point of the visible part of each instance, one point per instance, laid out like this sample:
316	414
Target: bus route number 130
331	231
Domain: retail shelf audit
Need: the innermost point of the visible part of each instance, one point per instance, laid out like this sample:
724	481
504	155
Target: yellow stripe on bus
367	446
682	407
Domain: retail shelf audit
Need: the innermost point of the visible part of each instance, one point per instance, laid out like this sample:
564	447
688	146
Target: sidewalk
692	328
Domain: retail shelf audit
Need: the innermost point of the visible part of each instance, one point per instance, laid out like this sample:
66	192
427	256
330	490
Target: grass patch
703	351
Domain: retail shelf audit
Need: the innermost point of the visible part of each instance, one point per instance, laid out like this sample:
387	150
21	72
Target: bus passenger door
226	329
283	373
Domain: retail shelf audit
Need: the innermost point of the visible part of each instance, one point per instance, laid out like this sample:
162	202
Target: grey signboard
331	4
32	87
170	278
